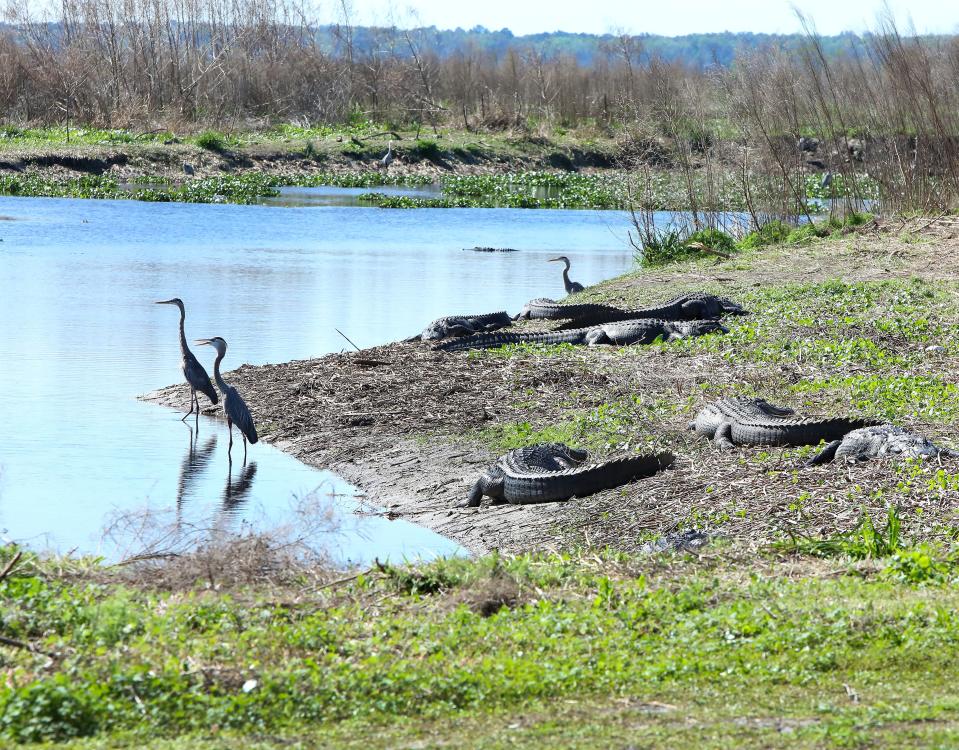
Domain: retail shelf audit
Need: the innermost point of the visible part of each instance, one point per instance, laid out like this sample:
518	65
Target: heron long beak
164	302
203	341
555	259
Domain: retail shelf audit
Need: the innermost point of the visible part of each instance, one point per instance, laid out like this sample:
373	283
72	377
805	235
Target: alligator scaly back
754	421
880	441
554	471
690	306
619	333
493	340
462	325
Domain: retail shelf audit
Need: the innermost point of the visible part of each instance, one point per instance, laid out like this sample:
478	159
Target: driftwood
359	141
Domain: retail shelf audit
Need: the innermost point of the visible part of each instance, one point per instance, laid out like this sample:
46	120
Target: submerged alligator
491	249
690	306
753	421
553	471
462	325
621	333
879	441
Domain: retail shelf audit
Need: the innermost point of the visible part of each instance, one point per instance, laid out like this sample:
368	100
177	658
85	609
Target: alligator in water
754	421
462	325
491	249
691	306
554	471
879	441
621	333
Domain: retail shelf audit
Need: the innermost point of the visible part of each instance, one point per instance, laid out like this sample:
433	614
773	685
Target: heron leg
192	401
244	450
229	426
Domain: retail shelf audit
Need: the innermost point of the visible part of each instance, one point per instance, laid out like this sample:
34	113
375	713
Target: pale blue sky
670	17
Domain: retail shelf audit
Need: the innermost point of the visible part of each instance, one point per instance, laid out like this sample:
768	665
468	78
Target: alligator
543	308
553	471
879	441
621	333
491	249
462	325
754	421
691	306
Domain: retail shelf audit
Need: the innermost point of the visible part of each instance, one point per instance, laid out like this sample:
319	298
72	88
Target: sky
668	17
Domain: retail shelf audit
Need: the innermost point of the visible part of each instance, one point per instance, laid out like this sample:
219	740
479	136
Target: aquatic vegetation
248	188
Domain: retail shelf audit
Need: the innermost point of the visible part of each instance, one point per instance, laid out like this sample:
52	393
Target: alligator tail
541	488
493	340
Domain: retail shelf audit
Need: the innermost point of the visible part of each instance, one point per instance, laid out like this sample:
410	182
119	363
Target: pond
82	339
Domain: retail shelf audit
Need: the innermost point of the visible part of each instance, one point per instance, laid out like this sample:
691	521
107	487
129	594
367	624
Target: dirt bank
429	157
830	322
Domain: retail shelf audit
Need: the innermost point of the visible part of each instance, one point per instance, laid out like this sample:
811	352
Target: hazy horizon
679	18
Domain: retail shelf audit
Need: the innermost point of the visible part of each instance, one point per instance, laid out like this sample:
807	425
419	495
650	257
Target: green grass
593	636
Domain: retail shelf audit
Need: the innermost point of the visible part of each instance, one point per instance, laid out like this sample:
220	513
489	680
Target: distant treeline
178	62
883	102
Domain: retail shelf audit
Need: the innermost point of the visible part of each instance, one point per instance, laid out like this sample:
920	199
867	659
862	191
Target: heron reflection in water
193	463
235	492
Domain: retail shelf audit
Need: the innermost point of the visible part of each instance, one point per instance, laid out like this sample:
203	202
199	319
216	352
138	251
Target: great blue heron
233	405
387	157
571	286
196	376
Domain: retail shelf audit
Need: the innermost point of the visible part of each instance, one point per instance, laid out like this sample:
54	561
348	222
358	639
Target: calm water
82	339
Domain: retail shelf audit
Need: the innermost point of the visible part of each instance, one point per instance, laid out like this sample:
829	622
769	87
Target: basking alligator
754	421
691	306
620	333
879	441
462	325
554	471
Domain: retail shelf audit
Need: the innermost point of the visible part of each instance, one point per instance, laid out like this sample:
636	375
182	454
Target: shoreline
414	428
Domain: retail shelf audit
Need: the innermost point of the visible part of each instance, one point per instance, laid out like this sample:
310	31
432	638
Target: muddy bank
129	162
413	428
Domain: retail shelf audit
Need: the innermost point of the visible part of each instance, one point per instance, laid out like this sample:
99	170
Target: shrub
715	239
211	140
46	711
771	233
662	247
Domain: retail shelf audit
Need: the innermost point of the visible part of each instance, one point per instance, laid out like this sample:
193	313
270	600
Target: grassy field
579	650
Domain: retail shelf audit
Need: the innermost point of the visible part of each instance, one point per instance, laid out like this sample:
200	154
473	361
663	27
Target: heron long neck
216	372
566	280
183	347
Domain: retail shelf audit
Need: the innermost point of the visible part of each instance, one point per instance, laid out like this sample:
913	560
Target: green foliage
663	247
806	233
864	541
860	186
771	233
591	630
246	188
425	149
715	239
916	565
48	711
211	140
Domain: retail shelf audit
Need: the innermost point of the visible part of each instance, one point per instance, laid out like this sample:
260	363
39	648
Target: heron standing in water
235	408
196	376
571	286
